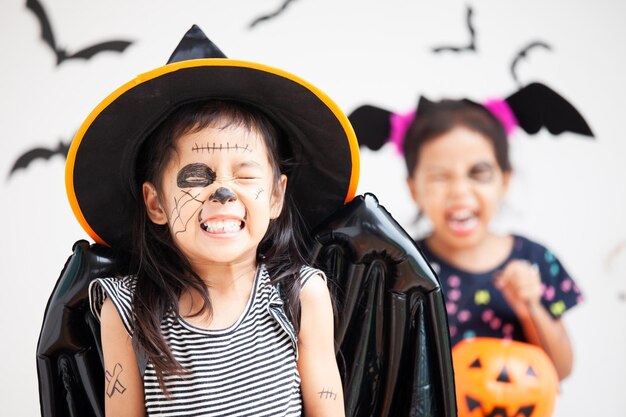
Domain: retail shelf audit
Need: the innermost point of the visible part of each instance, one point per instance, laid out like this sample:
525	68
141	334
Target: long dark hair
434	119
163	272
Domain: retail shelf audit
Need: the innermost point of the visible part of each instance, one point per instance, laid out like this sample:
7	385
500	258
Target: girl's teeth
461	215
463	227
222	226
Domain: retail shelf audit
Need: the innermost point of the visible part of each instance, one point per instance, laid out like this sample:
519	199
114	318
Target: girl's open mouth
462	222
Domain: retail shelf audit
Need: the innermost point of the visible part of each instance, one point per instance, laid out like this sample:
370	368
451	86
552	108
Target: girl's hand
520	283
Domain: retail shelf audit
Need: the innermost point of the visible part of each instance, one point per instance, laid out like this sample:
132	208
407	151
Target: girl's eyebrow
248	164
430	167
482	164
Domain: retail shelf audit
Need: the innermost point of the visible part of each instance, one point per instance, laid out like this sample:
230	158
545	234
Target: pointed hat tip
195	45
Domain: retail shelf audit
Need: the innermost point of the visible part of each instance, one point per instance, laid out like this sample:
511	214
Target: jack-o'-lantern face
503	378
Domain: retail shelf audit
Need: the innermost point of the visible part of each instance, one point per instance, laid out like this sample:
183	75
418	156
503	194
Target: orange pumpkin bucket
503	378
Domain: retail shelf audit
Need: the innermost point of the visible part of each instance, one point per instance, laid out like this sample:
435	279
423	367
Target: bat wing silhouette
523	54
537	105
61	54
271	15
24	160
472	44
117	46
372	126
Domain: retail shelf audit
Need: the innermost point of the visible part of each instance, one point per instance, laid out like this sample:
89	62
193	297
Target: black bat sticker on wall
524	54
61	54
39	153
471	46
271	15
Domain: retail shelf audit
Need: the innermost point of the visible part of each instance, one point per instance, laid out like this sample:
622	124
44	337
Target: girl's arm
550	334
321	387
520	284
123	387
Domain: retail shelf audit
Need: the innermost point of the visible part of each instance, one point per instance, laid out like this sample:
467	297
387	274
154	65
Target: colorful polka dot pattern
476	307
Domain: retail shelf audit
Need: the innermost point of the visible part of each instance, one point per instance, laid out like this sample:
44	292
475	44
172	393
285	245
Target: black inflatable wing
393	331
392	335
69	355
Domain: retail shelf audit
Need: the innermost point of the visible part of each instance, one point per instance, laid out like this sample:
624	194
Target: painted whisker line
260	190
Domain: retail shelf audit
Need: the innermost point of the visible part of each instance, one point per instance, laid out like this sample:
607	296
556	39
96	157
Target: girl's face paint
210	195
459	186
195	175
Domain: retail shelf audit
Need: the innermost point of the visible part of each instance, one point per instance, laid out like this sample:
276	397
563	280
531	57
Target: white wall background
568	192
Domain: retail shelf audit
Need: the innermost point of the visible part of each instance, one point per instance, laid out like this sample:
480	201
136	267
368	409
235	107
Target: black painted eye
530	371
482	172
195	175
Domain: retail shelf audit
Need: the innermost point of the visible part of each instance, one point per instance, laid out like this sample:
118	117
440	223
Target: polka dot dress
476	307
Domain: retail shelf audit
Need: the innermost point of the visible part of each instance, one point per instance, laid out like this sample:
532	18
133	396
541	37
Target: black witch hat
100	170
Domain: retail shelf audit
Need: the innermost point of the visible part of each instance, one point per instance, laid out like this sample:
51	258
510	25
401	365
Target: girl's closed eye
248	176
249	172
482	172
437	176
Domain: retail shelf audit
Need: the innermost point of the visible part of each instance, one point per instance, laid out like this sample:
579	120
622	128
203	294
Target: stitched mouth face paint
195	175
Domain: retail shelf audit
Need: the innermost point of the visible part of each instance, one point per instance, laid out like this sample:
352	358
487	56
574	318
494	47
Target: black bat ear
536	106
424	106
372	126
195	45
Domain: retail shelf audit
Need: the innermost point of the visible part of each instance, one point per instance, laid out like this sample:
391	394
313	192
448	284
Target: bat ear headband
531	108
100	169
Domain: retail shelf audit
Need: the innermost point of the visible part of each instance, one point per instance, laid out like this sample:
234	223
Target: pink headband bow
400	122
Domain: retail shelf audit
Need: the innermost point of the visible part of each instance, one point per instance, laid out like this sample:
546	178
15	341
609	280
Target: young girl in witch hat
456	154
209	172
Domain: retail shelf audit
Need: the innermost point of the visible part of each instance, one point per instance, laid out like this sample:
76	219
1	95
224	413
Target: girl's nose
222	195
459	185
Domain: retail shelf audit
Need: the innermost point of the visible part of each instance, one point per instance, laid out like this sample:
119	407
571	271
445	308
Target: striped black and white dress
247	369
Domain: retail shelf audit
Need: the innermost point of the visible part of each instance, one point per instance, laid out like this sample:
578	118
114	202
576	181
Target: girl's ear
506	180
278	197
411	183
153	205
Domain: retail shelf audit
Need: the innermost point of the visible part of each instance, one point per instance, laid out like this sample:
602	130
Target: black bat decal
472	43
271	15
524	54
39	153
61	54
